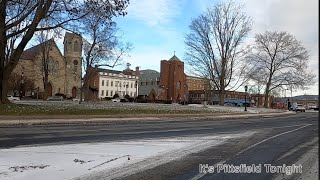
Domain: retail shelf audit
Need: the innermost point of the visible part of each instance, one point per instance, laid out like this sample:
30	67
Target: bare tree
280	61
214	46
47	65
19	20
18	83
101	45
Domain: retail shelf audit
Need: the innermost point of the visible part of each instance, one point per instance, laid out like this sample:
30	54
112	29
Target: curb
165	117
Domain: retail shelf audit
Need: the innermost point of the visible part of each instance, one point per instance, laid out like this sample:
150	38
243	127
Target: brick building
64	69
212	97
173	80
197	83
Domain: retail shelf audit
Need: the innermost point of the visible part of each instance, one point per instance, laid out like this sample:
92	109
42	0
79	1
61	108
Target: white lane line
200	175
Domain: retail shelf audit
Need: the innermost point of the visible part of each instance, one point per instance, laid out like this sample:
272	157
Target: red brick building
173	80
212	97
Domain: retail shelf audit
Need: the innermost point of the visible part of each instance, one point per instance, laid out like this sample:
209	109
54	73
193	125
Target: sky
157	28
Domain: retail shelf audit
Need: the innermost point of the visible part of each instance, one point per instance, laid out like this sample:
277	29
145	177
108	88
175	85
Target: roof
195	77
148	71
32	52
174	58
109	71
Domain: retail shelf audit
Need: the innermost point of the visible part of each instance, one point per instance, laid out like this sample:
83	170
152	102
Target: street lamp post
81	91
245	98
167	94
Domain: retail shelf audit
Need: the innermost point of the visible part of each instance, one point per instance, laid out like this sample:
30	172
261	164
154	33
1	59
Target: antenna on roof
174	53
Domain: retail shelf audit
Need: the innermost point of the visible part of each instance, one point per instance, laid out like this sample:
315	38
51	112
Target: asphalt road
280	140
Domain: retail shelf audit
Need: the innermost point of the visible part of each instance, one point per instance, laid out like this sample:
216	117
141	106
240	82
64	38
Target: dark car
55	98
124	100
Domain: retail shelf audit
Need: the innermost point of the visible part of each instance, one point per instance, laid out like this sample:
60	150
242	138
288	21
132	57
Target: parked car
115	100
229	104
12	98
124	100
77	99
55	98
299	107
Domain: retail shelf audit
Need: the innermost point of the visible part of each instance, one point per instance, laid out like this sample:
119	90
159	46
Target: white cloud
299	18
154	12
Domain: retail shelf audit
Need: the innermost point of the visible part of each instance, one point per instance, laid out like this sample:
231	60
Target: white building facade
115	82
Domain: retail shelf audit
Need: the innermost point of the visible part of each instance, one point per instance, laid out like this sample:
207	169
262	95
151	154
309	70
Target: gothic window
51	65
75	65
178	84
76	46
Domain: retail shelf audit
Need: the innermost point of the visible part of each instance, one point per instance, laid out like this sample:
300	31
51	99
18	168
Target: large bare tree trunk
266	95
45	83
221	97
3	89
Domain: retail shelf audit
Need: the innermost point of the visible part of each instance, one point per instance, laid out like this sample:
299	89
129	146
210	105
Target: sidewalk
73	119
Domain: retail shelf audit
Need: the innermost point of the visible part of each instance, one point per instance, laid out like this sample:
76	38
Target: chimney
137	71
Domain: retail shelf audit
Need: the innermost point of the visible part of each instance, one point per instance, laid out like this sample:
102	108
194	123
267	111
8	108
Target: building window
131	84
102	82
76	46
107	93
111	84
130	94
75	62
178	84
102	92
116	85
152	82
146	83
141	83
107	83
111	93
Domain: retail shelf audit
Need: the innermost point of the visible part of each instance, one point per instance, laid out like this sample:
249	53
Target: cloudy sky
157	28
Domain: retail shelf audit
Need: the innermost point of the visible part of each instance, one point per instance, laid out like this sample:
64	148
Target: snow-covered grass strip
92	160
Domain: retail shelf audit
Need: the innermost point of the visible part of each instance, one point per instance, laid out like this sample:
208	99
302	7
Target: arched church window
76	46
51	65
178	84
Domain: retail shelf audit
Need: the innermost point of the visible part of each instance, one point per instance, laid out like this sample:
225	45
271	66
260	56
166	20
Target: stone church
64	69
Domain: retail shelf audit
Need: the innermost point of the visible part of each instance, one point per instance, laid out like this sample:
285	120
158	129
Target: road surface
279	140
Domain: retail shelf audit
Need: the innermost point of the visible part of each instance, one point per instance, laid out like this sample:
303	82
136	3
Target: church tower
73	63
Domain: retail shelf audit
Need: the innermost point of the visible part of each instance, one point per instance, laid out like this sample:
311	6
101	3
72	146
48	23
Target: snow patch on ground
156	106
92	160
